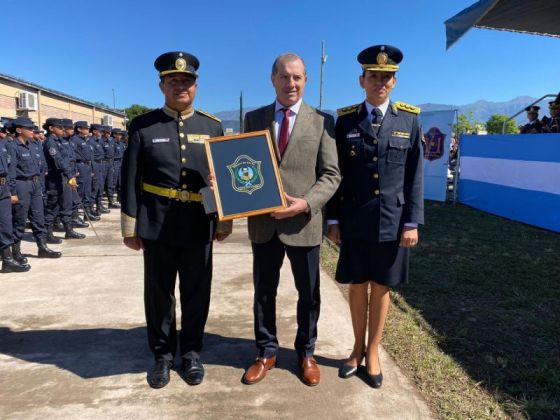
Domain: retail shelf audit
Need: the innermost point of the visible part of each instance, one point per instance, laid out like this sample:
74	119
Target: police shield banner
437	129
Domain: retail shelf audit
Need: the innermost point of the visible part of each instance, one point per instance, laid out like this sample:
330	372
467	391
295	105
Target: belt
180	195
85	162
3	180
33	178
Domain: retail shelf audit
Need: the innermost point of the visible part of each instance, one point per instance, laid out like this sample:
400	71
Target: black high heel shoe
346	371
375	381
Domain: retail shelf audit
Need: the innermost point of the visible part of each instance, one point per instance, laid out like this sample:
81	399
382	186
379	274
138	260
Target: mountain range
481	110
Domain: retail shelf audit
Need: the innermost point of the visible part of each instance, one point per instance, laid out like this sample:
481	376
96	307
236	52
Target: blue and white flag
514	176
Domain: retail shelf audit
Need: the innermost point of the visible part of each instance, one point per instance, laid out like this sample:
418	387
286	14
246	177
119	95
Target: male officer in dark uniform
109	170
534	125
164	180
96	142
8	197
29	192
379	204
60	181
68	126
117	161
84	157
552	124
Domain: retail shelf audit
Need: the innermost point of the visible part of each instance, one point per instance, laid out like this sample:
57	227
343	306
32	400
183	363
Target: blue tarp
540	17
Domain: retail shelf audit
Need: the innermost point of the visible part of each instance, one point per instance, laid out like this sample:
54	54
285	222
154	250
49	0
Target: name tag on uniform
197	138
401	134
160	140
352	135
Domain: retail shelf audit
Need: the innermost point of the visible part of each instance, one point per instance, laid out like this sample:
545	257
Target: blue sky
89	48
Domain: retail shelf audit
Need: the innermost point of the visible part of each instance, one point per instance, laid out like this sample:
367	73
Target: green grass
478	325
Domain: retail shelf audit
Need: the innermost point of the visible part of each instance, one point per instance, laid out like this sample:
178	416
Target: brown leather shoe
257	371
309	371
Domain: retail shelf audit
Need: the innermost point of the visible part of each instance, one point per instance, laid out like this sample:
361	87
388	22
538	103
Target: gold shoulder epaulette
208	115
406	107
347	109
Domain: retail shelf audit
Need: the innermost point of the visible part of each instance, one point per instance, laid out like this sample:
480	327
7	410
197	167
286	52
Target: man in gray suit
309	170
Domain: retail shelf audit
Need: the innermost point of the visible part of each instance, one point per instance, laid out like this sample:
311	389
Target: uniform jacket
309	170
83	150
531	127
382	180
57	158
167	150
551	125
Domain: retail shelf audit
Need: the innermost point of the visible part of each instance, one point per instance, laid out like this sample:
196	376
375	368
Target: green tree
466	124
134	110
495	124
102	104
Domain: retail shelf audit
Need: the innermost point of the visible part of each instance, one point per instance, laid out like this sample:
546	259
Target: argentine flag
514	176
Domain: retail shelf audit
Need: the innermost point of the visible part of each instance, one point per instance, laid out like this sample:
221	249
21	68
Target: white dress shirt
279	116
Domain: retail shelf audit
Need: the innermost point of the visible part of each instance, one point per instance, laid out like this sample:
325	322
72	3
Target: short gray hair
284	58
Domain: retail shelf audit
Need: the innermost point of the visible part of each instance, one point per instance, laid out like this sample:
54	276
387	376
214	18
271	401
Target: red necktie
284	132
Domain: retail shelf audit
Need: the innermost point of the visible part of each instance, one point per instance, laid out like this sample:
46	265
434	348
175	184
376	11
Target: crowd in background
48	178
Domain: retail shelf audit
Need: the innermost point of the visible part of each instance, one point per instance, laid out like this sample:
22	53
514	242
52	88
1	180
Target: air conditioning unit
108	120
27	101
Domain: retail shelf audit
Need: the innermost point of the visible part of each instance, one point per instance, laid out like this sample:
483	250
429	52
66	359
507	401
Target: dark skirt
384	263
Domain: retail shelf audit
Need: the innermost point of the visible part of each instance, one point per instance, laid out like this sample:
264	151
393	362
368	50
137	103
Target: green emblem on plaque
246	175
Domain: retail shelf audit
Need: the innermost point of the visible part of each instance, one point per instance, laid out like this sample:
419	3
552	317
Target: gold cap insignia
382	58
180	64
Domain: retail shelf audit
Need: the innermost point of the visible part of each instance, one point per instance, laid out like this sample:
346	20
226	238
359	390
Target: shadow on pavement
99	352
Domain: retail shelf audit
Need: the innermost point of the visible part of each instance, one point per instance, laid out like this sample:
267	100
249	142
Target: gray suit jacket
309	170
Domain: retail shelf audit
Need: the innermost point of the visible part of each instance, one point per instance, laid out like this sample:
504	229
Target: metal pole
241	128
323	61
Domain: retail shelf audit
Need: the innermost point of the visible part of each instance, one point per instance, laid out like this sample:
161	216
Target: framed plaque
246	177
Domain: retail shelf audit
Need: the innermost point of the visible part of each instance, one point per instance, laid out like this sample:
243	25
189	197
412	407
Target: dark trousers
117	176
30	202
267	261
162	262
99	171
84	183
59	200
6	228
109	175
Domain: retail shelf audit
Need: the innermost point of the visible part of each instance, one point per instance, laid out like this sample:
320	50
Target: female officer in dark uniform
29	192
376	211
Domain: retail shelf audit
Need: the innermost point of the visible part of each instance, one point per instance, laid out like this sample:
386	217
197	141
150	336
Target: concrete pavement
73	344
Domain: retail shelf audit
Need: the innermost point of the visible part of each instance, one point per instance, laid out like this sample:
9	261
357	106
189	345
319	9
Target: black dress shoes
193	371
346	371
158	377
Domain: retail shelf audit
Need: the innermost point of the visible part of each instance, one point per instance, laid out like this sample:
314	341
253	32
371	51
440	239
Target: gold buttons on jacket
183	160
183	147
181	135
375	175
376	192
181	123
375	142
184	173
184	186
375	158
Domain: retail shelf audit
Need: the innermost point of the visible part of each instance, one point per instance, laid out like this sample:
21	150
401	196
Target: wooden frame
246	177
